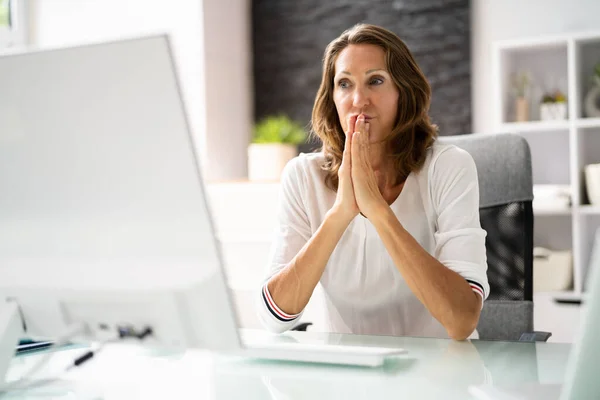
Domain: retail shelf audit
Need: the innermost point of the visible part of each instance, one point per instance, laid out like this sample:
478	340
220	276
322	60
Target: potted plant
274	143
553	107
520	85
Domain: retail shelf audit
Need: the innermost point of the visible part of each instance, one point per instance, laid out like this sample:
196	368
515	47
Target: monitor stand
11	329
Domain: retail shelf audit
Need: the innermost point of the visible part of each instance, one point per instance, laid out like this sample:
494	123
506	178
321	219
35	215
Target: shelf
552	211
560	150
588	123
564	295
568	297
546	126
589	209
535	126
532	43
587	37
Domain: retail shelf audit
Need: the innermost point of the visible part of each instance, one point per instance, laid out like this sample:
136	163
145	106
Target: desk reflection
433	368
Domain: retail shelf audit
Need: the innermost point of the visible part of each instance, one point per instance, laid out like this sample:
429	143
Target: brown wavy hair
413	132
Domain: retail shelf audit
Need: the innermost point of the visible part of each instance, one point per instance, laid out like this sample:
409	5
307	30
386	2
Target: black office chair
506	193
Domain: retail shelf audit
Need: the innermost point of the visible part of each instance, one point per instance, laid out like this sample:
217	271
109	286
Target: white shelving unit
560	149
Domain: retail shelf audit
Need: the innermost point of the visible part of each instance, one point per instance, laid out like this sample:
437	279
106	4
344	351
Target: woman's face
362	84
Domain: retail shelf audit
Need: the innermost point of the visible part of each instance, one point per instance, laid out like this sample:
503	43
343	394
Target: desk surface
433	368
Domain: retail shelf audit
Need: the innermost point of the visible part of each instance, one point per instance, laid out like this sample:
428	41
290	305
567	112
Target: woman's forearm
292	287
446	294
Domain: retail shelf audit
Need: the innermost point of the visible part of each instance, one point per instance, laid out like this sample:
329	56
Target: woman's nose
360	98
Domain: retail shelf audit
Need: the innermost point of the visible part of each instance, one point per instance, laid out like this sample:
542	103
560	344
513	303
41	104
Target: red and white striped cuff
273	309
477	288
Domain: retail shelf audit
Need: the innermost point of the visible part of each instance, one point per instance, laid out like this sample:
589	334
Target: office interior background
524	66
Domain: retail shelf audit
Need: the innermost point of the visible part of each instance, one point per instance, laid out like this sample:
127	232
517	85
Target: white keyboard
323	353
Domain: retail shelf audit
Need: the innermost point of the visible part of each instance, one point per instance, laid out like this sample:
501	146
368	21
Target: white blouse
364	291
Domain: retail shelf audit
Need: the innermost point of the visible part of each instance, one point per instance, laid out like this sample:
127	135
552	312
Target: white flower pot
592	183
591	103
552	270
553	111
266	161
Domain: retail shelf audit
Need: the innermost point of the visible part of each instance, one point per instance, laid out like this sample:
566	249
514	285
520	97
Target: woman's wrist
339	216
381	216
378	210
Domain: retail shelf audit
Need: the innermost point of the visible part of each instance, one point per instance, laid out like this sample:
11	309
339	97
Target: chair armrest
535	336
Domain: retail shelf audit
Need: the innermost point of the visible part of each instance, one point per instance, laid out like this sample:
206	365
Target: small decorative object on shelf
592	183
551	197
552	270
275	143
553	107
521	82
591	103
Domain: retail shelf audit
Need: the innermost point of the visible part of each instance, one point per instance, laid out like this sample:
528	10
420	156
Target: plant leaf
278	129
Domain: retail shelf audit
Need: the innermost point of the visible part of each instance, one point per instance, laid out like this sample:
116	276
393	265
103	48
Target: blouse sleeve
292	233
459	238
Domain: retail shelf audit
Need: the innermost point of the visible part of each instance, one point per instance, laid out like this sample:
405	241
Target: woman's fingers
350	124
358	140
356	155
363	126
347	155
360	124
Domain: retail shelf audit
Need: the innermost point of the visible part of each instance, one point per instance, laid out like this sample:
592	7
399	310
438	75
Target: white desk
432	369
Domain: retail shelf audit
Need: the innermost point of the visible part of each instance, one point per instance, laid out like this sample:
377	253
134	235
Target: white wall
212	44
64	22
493	20
245	217
228	46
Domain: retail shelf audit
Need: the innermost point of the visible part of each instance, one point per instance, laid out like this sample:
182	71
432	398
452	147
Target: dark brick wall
289	37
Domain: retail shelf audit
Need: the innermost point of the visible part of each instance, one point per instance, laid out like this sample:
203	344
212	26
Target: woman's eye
376	81
344	84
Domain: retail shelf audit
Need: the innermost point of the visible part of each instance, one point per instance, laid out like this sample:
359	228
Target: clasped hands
357	189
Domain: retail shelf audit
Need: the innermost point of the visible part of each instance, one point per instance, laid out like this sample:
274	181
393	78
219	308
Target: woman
385	218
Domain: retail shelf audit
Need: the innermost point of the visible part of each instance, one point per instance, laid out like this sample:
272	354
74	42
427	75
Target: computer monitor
581	381
104	223
103	216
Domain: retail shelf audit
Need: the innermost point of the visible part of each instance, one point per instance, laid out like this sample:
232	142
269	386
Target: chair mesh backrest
509	247
506	192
